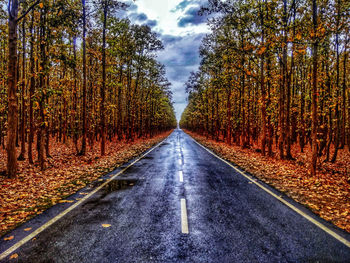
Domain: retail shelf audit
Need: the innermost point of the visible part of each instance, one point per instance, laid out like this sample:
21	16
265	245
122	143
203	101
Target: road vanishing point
177	203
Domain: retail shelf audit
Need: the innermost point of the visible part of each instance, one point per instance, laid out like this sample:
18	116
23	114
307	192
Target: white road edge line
62	214
312	220
181	176
184	222
180	162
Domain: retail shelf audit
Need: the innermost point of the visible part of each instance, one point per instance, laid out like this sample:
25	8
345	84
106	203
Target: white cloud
181	30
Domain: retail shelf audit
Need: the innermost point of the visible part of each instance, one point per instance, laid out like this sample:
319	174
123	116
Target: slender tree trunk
289	97
18	104
348	91
228	119
262	85
281	121
83	142
302	117
48	123
314	89
12	118
270	128
343	135
41	131
337	112
103	86
284	85
23	122
31	92
75	99
212	114
119	114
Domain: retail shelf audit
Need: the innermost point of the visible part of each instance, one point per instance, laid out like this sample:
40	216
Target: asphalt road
180	204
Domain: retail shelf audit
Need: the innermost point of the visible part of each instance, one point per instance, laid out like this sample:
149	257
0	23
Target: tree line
274	73
71	70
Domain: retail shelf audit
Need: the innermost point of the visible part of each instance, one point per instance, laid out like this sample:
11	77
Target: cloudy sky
181	30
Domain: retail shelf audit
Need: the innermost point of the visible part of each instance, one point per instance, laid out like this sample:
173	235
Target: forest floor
34	191
327	194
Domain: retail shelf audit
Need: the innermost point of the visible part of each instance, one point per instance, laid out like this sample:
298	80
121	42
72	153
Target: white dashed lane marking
184	222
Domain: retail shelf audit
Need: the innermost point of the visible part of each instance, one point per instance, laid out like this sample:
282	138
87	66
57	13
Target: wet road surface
181	204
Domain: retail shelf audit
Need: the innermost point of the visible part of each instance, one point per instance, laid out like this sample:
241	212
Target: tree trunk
23	121
31	92
119	115
41	131
302	117
83	142
337	135
12	90
103	86
314	90
262	86
75	99
344	99
47	125
270	128
228	119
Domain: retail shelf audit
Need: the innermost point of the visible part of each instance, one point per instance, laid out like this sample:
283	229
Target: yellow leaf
41	5
14	256
345	213
28	229
36	105
8	238
261	50
66	201
106	225
298	36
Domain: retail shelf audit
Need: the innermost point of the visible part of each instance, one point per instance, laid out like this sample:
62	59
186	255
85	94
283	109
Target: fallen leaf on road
106	225
14	256
83	193
8	238
66	201
28	229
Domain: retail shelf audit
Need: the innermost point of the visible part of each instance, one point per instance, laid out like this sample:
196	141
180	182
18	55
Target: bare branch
9	8
28	10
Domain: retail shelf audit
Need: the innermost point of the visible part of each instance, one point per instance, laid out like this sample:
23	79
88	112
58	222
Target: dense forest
274	74
72	71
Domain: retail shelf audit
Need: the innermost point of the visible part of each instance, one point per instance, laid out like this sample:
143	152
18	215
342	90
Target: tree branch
28	10
9	9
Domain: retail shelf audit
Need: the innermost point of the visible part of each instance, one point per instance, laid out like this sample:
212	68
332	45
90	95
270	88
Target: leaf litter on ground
34	191
327	194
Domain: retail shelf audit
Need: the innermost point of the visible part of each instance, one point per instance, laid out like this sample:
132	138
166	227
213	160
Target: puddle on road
119	184
131	169
113	186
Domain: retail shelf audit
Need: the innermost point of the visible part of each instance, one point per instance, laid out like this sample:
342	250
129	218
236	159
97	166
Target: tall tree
12	84
314	87
83	142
